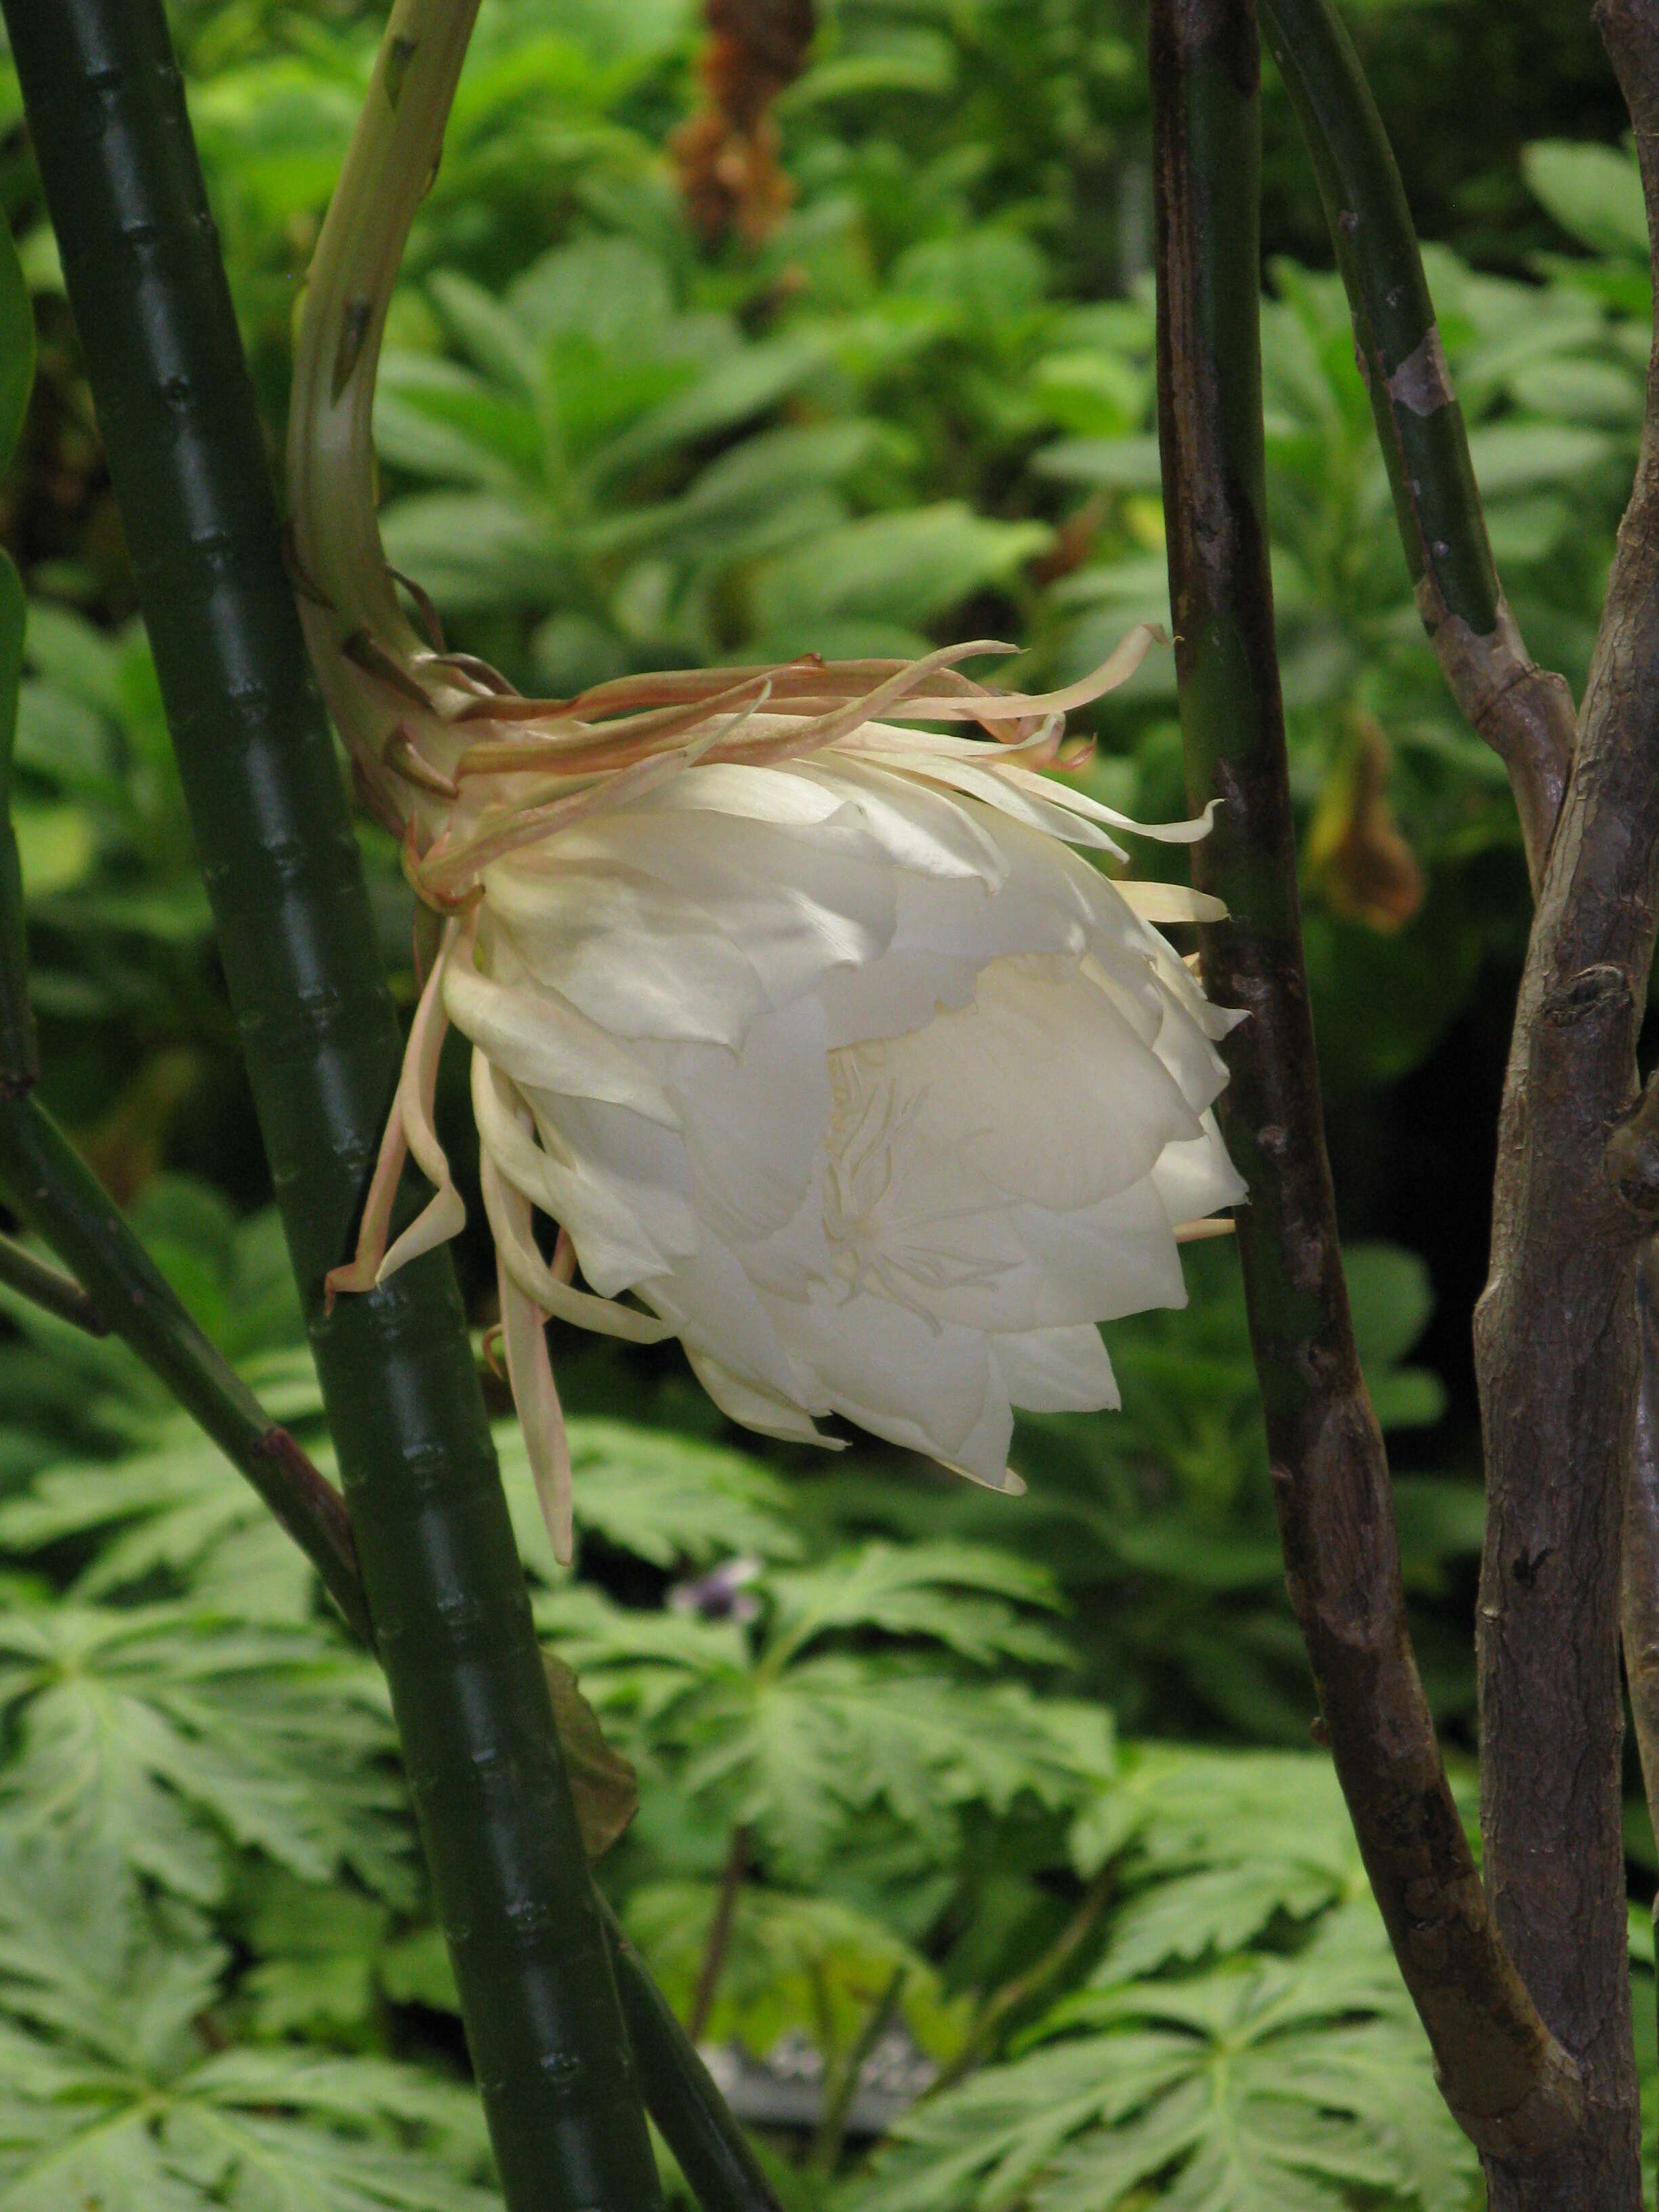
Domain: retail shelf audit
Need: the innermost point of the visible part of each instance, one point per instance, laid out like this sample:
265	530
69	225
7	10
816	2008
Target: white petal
797	906
1116	1257
1167	902
638	959
545	1044
614	1247
1197	1178
1057	1370
1042	1086
541	1418
918	828
927	1387
761	1410
755	1120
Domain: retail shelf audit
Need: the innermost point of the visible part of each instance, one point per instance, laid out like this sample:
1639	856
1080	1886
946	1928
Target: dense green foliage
984	1765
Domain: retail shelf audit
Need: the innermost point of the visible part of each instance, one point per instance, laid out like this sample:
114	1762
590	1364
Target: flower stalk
445	1588
1505	2078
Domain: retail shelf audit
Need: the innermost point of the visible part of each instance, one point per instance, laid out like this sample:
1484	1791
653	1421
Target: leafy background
1032	1782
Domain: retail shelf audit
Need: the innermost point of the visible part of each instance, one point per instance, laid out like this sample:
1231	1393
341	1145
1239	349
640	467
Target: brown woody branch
1557	1346
1504	2076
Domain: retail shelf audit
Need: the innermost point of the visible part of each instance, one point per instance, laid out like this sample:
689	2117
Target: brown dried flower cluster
726	153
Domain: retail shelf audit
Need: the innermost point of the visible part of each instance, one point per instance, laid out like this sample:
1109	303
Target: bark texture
1505	2077
1640	1608
1557	1348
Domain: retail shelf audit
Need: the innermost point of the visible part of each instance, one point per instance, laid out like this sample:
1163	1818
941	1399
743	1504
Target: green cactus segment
436	1548
1419	420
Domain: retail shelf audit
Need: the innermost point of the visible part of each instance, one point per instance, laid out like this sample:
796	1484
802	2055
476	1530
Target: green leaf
903	567
743	385
963	1596
473	549
1265	2085
673	1500
57	845
809	1964
1595	193
610	290
1122	463
112	2096
147	1740
1515	456
1391	1298
316	1949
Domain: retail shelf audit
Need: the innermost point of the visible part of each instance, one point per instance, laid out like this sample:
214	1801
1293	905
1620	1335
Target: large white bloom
835	1062
820	1046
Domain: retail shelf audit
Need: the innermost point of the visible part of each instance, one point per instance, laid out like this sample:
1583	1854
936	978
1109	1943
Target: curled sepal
411	1128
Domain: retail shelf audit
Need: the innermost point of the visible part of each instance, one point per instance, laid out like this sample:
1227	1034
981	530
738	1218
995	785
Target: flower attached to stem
807	1026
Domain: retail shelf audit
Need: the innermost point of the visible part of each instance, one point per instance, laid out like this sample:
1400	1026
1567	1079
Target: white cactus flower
808	1029
834	1059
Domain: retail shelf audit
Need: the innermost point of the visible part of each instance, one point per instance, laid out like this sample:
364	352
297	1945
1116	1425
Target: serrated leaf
964	1596
1267	2083
670	1499
1225	1843
113	2095
148	1740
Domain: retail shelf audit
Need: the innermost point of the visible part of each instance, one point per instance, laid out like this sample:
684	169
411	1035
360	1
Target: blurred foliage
903	1733
899	1742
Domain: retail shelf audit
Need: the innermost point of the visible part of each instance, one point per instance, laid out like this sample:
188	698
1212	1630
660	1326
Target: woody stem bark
1504	2076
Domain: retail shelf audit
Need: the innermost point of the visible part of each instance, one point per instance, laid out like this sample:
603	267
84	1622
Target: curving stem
1505	2077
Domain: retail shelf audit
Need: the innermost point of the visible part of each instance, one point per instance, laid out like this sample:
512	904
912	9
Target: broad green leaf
1601	393
610	290
903	567
1593	192
57	847
473	549
438	420
744	385
1514	455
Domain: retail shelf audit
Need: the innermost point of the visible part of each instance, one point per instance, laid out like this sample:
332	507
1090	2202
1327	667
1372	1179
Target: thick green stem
1524	711
61	1199
445	1588
696	2123
1505	2077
